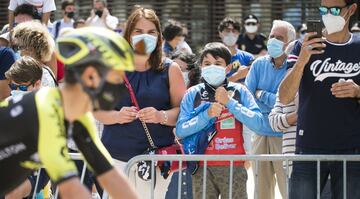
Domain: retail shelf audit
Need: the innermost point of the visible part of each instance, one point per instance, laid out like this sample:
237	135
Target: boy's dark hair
172	29
26	69
192	66
229	21
66	3
27	9
216	49
70	73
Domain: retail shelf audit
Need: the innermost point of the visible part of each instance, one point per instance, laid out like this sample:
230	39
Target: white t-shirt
62	25
47	79
43	6
111	21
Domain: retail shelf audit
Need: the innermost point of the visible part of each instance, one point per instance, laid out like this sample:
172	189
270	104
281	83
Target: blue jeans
304	176
186	186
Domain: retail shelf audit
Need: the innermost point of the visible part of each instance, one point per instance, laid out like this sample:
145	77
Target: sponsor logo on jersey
322	69
12	150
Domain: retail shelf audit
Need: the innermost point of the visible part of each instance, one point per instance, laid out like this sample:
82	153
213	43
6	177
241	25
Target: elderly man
263	80
325	71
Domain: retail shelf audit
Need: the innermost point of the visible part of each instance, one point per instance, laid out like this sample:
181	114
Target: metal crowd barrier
74	156
231	158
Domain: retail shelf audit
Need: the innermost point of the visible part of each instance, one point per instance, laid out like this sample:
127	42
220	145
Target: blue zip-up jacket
264	76
194	124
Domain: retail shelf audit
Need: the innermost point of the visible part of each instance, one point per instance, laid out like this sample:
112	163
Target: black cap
251	18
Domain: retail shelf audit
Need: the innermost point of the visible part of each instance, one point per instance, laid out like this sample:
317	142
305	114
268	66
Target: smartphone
314	26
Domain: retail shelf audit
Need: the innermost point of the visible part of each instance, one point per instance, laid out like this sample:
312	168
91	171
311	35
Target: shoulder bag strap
134	101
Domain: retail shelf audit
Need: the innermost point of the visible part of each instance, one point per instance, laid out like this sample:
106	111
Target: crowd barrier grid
230	158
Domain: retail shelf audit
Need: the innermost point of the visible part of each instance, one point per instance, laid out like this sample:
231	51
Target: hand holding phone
314	26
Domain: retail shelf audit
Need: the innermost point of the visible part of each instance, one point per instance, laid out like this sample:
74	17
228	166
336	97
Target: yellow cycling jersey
34	133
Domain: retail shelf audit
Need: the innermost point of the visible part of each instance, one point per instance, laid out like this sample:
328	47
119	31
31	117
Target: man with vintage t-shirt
326	72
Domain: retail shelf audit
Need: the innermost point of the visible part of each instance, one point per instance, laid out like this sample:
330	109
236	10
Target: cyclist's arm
99	159
52	149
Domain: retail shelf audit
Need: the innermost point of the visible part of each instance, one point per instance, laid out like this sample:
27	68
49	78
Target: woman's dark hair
192	66
27	9
172	29
155	59
229	21
216	49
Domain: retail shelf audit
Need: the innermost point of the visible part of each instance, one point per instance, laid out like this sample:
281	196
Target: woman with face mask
158	87
220	108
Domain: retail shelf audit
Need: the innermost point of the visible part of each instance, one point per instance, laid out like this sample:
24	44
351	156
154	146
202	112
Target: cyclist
35	126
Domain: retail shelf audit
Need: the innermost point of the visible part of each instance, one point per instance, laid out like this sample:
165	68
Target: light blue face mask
150	42
15	93
214	75
275	47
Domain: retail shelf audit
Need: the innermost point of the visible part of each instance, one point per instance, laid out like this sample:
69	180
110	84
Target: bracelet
166	118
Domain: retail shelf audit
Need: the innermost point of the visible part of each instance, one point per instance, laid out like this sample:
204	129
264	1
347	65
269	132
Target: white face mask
333	24
230	39
251	29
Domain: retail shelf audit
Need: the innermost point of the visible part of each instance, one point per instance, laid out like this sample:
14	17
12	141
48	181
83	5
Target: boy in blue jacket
210	122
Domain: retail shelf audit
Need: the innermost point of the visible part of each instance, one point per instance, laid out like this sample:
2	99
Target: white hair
290	28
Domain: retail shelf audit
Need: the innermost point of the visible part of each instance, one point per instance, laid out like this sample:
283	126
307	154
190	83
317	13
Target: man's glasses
20	86
333	10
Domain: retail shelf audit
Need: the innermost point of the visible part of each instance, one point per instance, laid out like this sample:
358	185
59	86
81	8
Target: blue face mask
275	47
15	93
214	75
150	42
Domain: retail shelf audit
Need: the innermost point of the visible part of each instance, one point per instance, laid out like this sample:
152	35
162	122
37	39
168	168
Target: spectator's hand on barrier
127	114
150	115
346	89
311	47
215	110
221	96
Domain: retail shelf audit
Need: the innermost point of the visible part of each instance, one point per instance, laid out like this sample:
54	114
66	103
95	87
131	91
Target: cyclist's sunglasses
333	10
20	86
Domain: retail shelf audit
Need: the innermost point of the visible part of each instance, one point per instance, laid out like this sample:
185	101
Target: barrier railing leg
318	179
231	178
256	195
36	184
179	180
152	178
287	179
83	173
344	178
204	180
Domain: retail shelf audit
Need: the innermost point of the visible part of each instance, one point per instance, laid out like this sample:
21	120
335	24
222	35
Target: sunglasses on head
20	86
250	24
332	10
